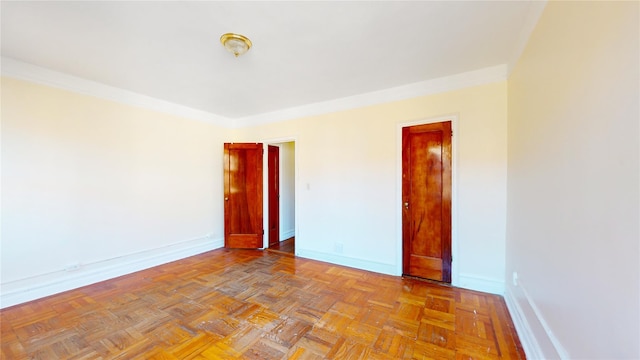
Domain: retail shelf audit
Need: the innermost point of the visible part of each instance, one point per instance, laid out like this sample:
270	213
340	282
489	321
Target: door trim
296	190
454	193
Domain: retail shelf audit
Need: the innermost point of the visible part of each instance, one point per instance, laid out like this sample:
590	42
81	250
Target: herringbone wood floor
246	304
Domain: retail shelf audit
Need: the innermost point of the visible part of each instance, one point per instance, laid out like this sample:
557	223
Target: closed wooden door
243	227
426	201
274	194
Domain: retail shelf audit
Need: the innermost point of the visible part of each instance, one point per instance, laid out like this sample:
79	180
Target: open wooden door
426	201
274	194
243	227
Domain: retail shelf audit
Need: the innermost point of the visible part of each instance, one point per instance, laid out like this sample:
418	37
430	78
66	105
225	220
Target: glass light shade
236	44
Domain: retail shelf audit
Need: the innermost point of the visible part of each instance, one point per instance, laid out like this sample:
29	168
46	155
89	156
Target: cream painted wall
347	165
573	182
87	181
111	188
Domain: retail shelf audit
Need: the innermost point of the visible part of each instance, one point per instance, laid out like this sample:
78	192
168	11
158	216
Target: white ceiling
303	52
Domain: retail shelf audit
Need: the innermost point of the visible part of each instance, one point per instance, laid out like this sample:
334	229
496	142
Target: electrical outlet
338	248
515	278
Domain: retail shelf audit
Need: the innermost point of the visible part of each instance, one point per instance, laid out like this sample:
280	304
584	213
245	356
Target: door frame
454	192
265	190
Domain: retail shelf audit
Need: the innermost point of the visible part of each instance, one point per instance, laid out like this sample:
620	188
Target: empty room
320	180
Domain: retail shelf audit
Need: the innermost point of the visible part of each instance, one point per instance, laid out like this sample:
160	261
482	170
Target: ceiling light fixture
236	44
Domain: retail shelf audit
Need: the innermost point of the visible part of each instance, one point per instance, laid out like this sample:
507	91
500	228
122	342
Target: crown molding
23	71
423	88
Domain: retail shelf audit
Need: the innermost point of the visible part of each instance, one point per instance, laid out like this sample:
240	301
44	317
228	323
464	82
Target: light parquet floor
247	304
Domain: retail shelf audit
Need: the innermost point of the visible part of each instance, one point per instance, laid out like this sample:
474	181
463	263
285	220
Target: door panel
426	197
243	227
274	194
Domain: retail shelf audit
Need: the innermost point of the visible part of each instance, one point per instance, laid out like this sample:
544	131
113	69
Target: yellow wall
85	180
348	181
98	183
573	214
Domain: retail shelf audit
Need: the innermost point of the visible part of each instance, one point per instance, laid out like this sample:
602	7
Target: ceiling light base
236	44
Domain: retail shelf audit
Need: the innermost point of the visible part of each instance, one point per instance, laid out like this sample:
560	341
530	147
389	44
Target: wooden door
426	201
243	227
274	194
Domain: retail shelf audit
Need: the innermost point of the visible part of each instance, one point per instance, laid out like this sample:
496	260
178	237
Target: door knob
226	199
406	205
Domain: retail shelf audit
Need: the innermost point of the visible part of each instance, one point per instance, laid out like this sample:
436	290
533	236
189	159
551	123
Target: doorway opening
280	195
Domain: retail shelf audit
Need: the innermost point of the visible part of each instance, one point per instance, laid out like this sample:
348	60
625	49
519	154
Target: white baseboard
538	341
466	281
527	339
389	269
479	283
284	235
20	291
